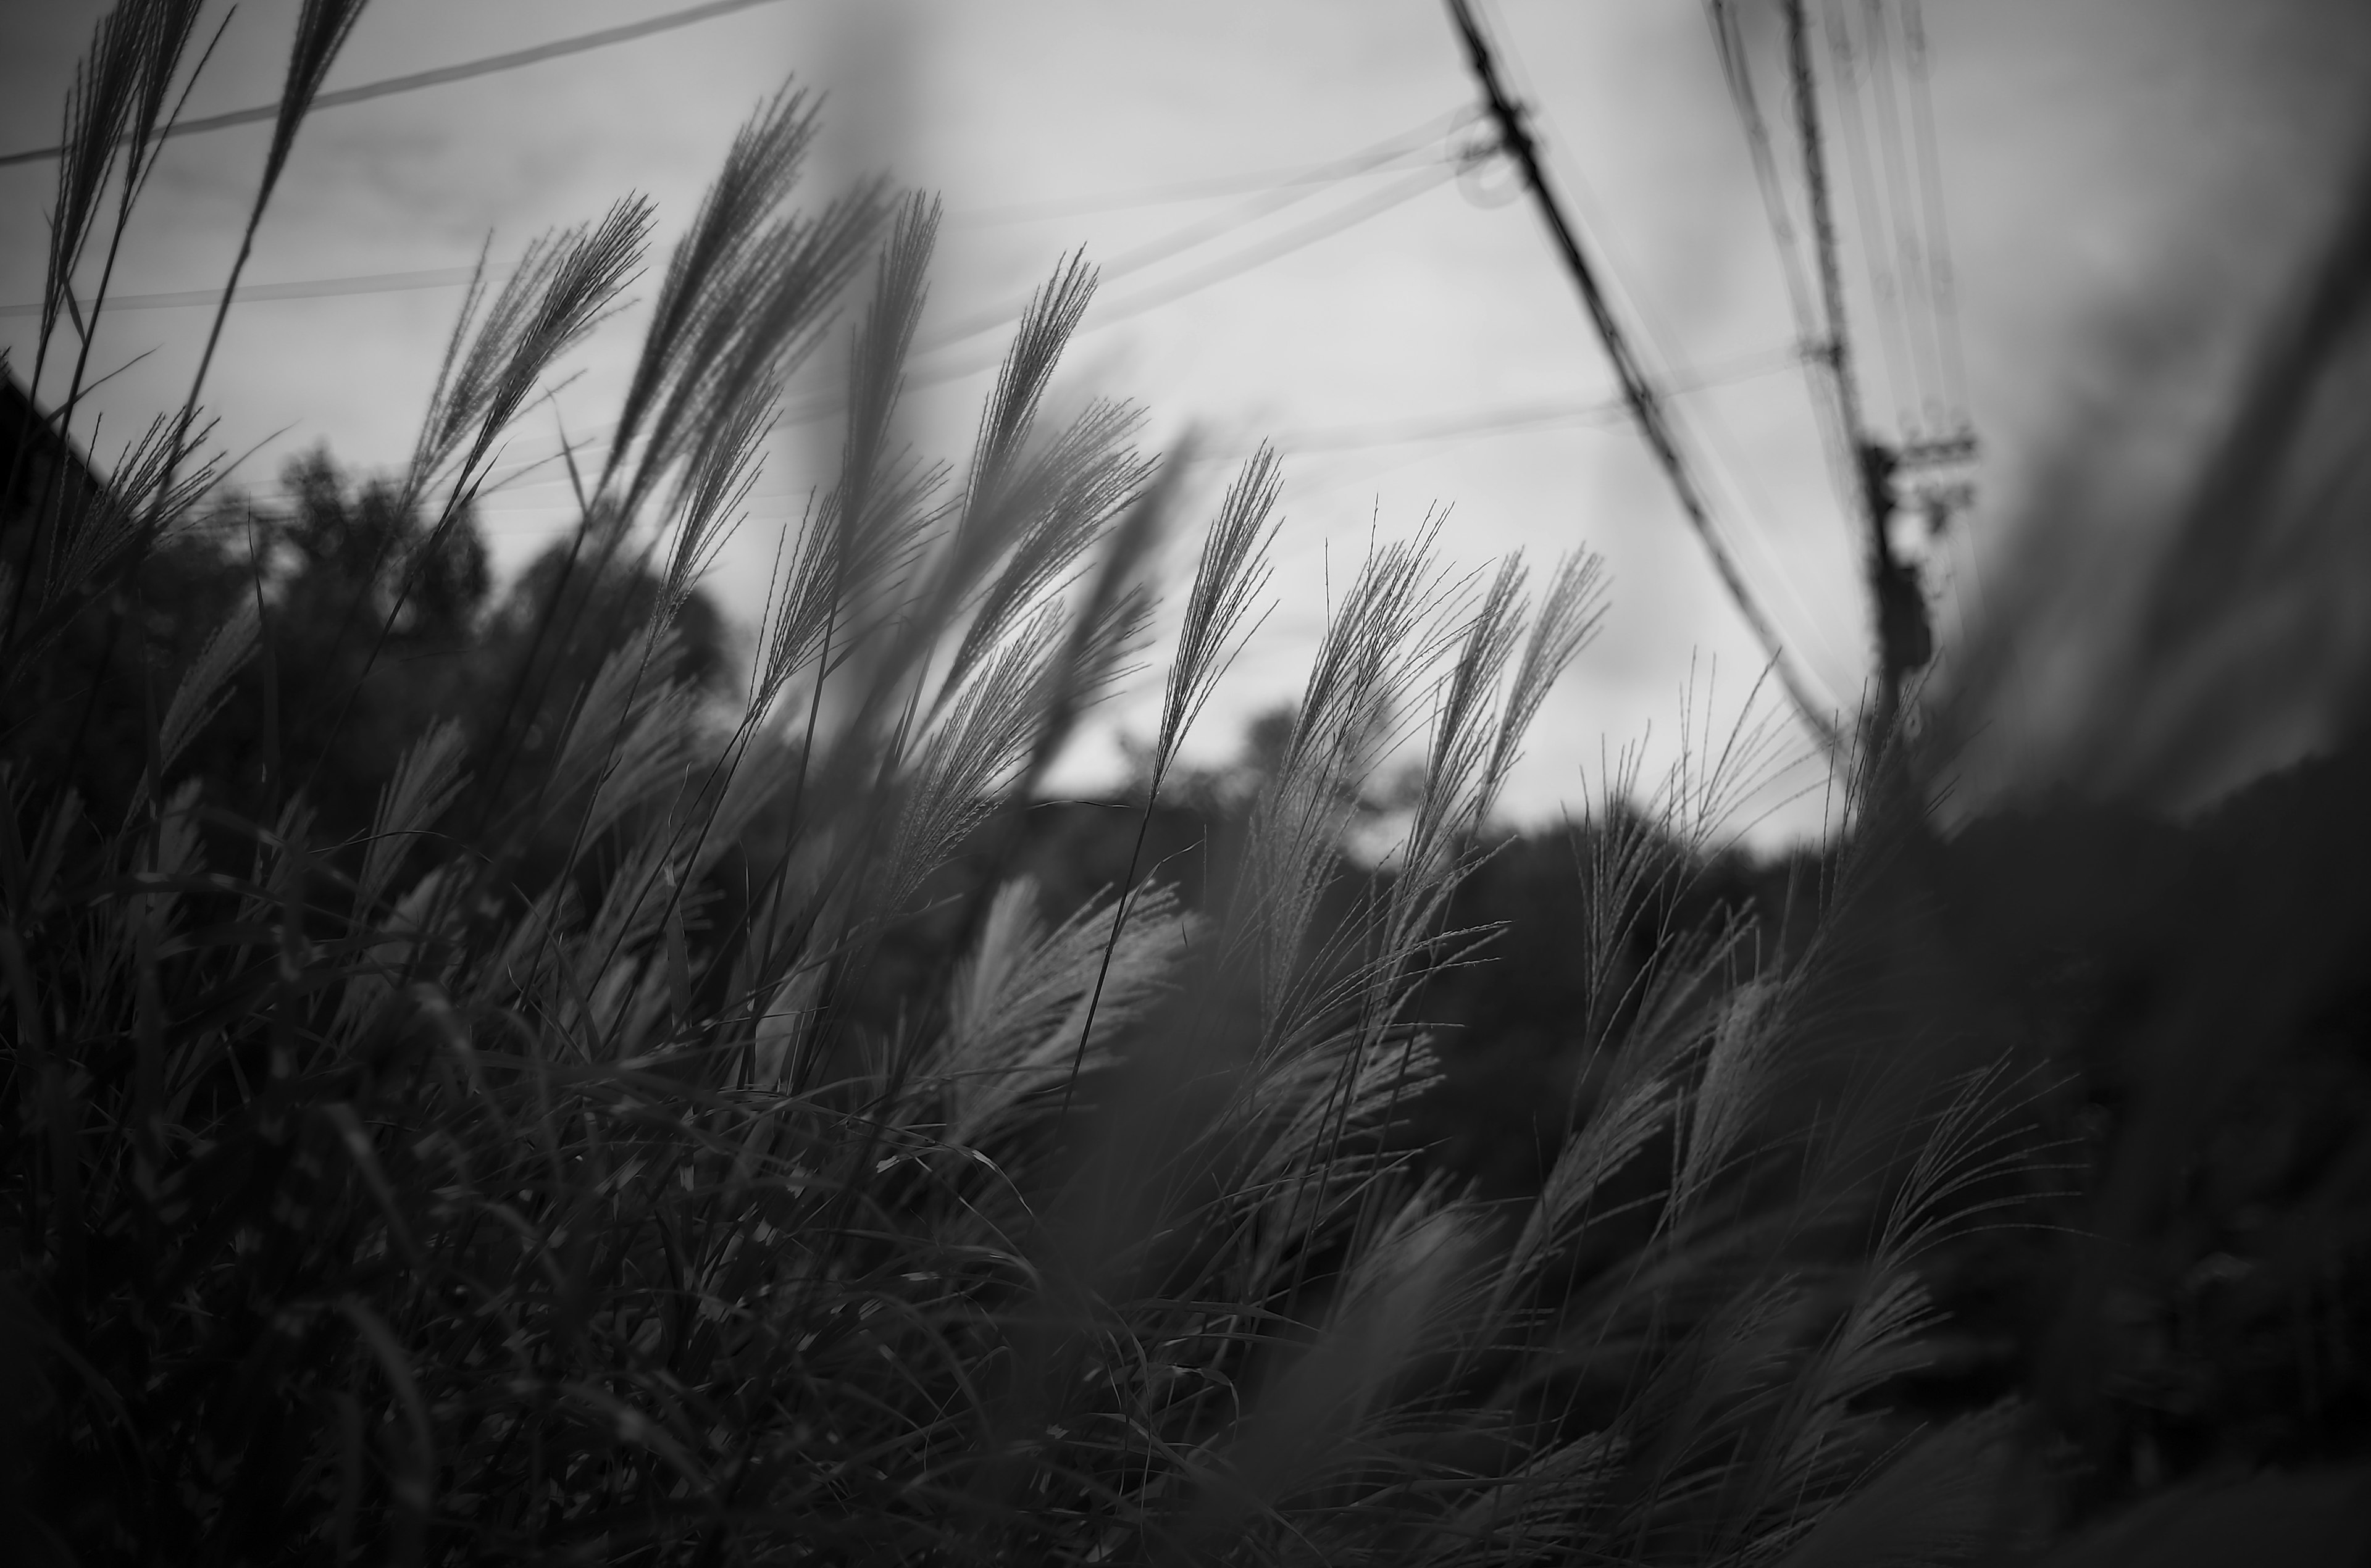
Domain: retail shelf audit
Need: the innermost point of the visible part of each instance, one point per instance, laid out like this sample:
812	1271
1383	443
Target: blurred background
2066	225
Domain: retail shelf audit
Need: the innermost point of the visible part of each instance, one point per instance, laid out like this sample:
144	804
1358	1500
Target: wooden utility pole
1897	603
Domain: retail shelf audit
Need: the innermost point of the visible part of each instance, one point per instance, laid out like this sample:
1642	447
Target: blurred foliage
372	625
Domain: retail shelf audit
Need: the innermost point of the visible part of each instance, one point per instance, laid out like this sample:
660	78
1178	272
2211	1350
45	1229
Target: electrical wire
1099	318
1297	185
1945	279
1275	248
1908	227
1179	241
822	408
1645	407
1605	408
1884	291
1692	426
299	288
1250	180
1737	74
1828	415
1695	428
462	71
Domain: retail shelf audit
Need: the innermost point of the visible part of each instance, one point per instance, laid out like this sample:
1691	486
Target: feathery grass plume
1069	493
100	108
322	27
100	540
712	300
995	518
1324	1422
111	110
1365	665
1294	1107
1052	316
171	24
994	513
645	754
841	589
1456	774
760	173
766	314
872	520
426	781
615	702
1012	1004
876	370
1169	1138
1230	572
97	534
1454	797
204	686
1821	1438
722	471
607	963
1631	1109
975	750
120	93
1742	1052
1322	1121
1565	623
561	285
1109	631
1466	766
1113	635
869	527
160	31
1329	1016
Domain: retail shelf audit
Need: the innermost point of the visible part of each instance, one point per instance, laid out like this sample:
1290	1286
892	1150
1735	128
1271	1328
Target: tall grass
522	1178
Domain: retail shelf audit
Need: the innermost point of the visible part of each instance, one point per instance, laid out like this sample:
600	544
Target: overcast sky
2107	168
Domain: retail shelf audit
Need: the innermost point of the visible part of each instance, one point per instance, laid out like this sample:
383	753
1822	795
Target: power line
1181	240
1519	419
1827	415
1248	181
824	407
1521	416
1884	290
1696	427
1697	430
1277	247
413	81
1737	74
1233	267
300	288
1908	228
1300	184
1644	405
1938	234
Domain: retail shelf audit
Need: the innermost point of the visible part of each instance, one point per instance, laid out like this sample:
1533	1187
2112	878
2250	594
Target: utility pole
1898	604
1646	405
